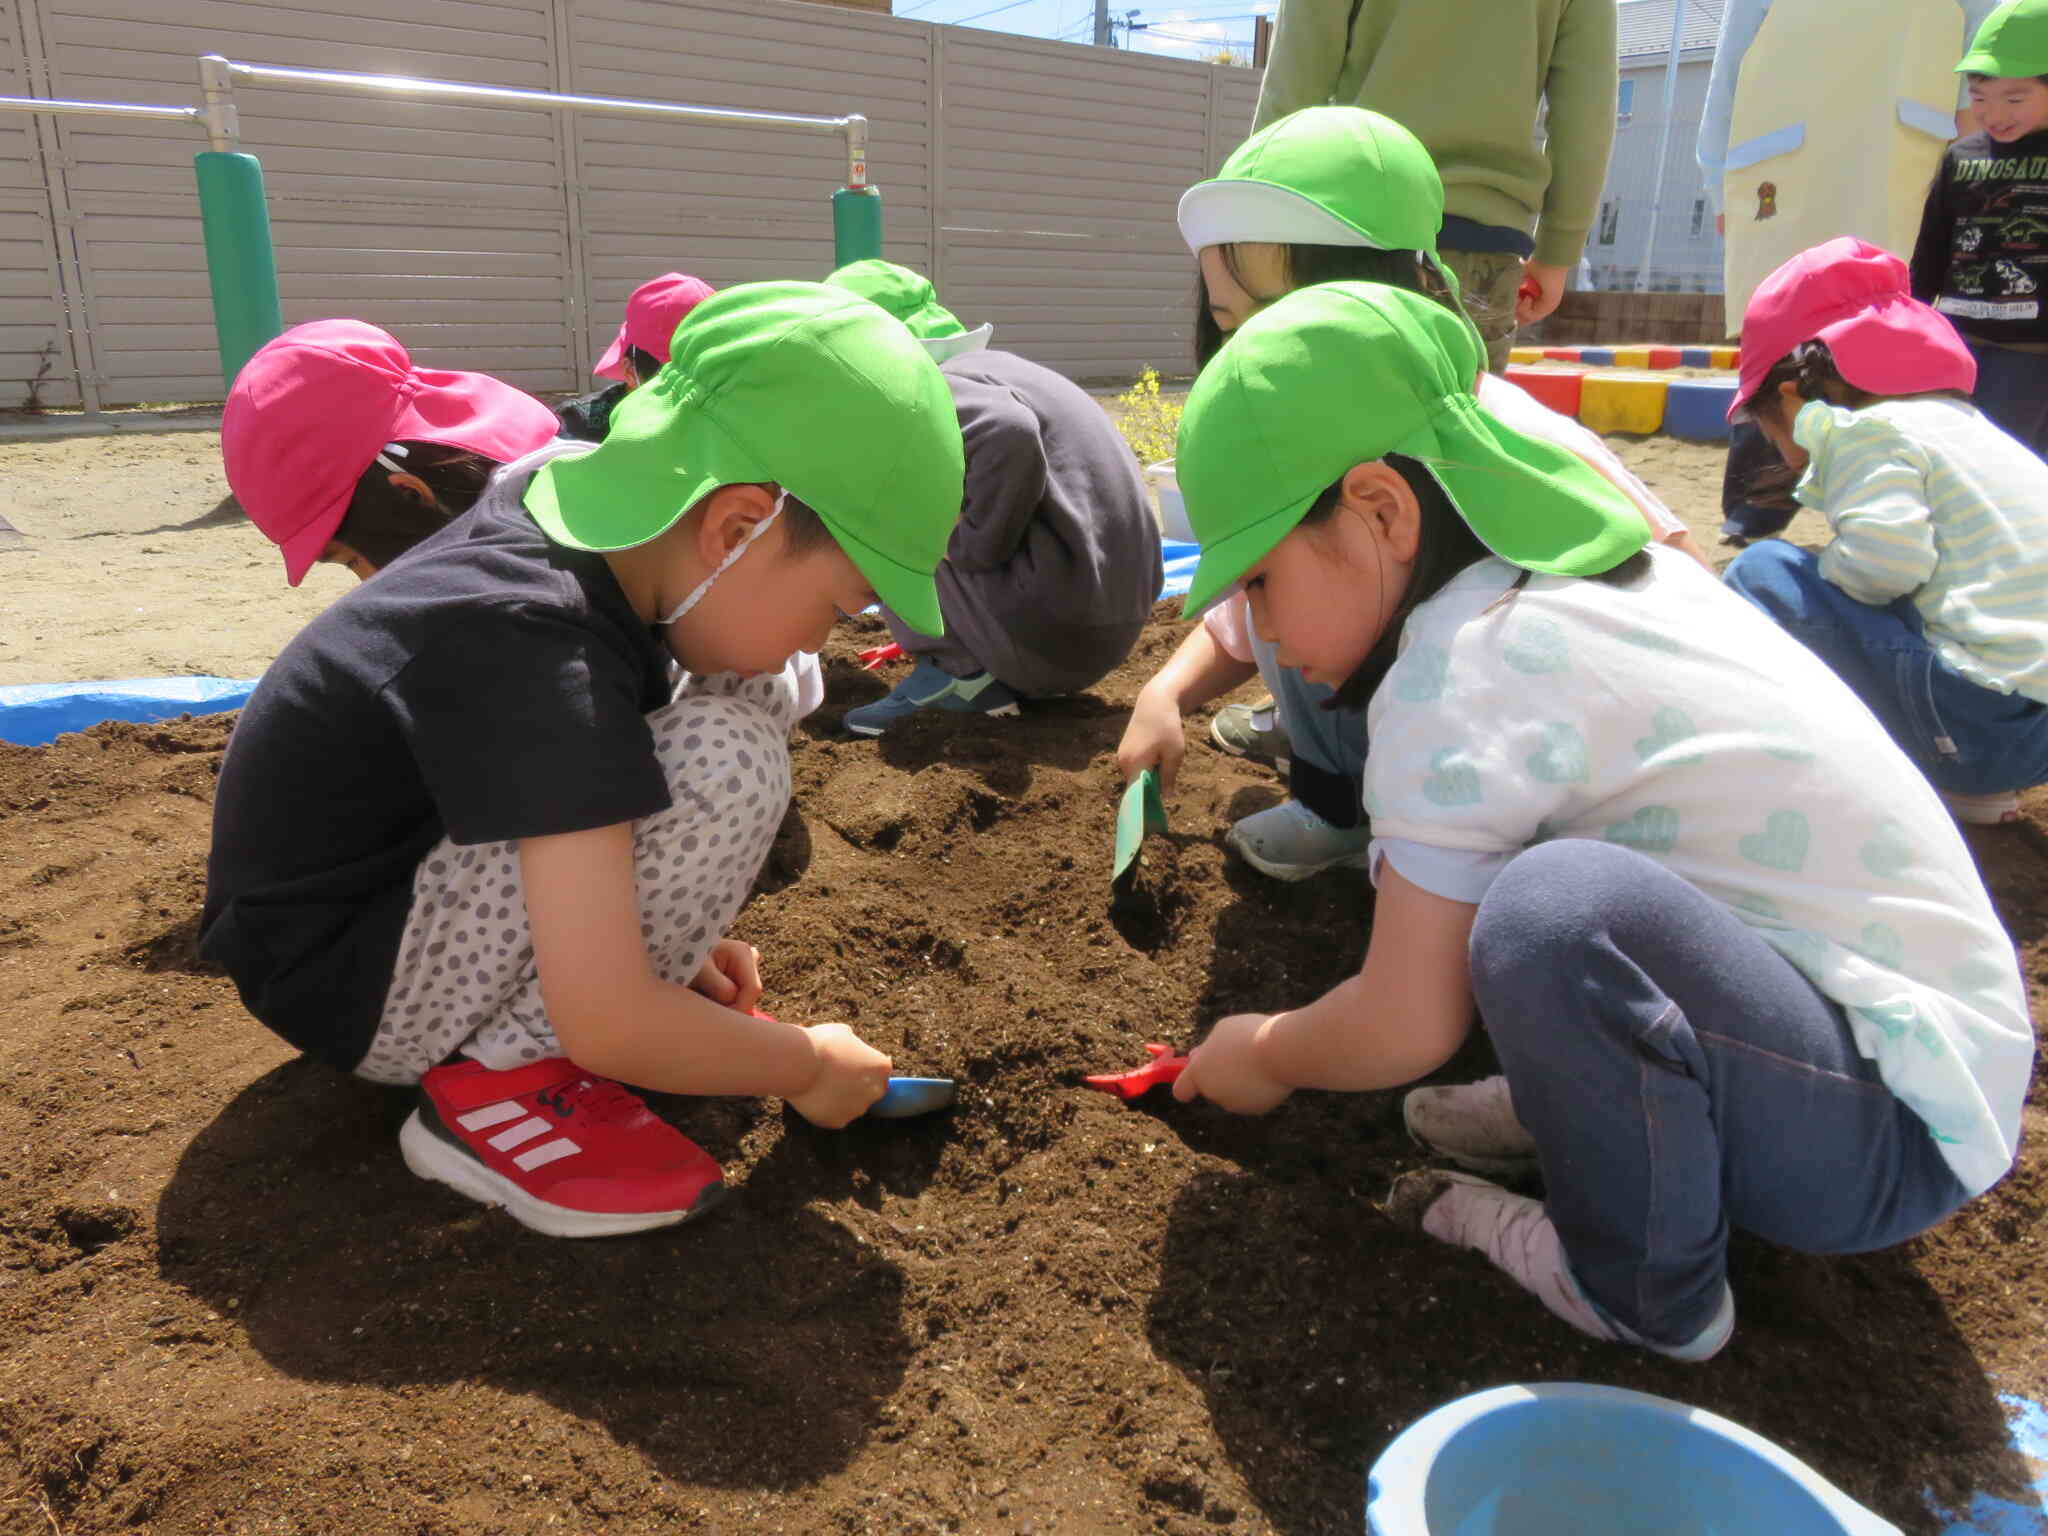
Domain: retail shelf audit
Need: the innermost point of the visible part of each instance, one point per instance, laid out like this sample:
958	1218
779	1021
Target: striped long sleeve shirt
1929	500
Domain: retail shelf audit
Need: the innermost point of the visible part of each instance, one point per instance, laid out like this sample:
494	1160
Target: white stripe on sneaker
524	1131
547	1152
484	1119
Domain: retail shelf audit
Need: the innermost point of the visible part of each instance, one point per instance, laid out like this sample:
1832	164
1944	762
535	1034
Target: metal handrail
98	108
218	74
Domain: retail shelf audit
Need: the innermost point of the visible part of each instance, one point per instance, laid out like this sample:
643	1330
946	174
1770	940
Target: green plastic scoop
1142	811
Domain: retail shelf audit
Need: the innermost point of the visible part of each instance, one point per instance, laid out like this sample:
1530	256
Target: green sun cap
907	295
1321	176
1342	374
793	384
2012	42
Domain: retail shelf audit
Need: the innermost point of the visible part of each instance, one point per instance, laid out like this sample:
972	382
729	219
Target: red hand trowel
1166	1065
874	656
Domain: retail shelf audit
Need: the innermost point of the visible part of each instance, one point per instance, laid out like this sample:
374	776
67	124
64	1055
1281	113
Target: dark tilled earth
226	1307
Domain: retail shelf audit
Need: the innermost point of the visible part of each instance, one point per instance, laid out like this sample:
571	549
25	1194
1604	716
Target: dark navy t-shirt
488	685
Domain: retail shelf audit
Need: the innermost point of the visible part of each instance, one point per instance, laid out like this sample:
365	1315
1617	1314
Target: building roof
1646	26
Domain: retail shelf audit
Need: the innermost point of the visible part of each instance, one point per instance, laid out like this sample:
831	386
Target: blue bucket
1597	1461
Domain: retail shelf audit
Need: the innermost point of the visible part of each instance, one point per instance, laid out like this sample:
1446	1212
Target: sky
1186	31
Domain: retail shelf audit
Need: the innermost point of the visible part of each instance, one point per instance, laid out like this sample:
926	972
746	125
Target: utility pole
1663	143
1103	39
1262	40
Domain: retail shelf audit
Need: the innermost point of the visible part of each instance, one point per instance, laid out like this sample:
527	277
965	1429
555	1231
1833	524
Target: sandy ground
134	561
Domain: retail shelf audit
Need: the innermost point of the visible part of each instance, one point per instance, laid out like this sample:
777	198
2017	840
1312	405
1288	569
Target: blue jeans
2012	389
1967	739
1326	747
1681	1077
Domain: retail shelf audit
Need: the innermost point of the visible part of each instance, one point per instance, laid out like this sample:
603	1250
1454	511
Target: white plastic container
1173	511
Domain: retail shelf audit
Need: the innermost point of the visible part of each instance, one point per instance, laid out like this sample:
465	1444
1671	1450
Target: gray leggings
465	980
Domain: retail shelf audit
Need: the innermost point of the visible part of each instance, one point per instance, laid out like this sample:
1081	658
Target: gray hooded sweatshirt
1054	566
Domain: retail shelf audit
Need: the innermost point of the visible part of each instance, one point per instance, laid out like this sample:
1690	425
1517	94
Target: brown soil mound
226	1307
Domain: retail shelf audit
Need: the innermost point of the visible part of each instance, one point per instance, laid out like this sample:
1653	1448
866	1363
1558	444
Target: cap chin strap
697	592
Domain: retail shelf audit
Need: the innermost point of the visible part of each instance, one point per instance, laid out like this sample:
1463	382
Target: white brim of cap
1226	212
945	348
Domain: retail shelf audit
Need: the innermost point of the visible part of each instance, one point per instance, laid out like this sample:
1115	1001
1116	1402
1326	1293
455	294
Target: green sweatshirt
1466	77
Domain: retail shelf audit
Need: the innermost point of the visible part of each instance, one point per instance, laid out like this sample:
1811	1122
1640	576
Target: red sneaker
563	1151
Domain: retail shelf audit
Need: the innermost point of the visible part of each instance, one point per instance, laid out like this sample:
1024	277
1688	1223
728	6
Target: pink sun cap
314	407
1853	296
653	312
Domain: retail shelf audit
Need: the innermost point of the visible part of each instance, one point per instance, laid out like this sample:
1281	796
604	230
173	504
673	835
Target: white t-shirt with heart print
1669	716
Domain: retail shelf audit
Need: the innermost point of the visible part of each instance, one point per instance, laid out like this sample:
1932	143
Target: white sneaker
1291	842
1517	1235
1473	1125
1983	810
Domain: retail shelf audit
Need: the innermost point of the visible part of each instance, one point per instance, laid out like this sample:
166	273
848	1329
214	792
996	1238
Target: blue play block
1698	409
1597	357
1695	357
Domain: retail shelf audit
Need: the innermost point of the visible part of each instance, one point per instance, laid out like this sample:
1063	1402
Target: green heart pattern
1420	677
1669	727
1538	647
1782	844
1452	781
1652	829
1562	757
1896	1020
1881	942
1888	852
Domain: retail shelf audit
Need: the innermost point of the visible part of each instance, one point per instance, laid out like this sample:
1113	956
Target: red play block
1555	387
1561	354
1665	357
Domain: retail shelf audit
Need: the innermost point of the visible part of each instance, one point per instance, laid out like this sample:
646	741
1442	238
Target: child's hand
731	975
1225	1069
851	1075
1153	739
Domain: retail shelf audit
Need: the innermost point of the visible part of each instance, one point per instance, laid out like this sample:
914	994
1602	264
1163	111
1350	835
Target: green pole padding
240	263
856	225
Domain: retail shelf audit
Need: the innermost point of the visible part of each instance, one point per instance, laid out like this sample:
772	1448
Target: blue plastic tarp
1180	566
35	714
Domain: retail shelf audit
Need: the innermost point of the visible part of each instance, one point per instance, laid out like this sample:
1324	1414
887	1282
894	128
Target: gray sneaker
1291	842
1252	731
931	687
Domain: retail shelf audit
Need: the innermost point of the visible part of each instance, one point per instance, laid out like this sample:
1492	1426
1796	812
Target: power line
977	16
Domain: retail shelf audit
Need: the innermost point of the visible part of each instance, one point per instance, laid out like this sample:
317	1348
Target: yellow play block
1622	402
1724	357
1631	357
1525	354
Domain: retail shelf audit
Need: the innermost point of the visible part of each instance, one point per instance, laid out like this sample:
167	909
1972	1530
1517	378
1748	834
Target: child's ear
1789	398
730	513
414	487
1380	494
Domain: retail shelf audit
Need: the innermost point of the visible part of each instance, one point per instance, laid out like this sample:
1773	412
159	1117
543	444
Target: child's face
770	604
1231	303
2010	108
1324	595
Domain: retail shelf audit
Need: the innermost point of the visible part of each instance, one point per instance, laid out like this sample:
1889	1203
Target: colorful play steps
1626	397
1628	357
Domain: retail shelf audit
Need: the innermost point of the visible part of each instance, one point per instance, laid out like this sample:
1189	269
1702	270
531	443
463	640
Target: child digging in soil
1327	193
344	453
468	838
1928	602
1736	962
653	312
1054	567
